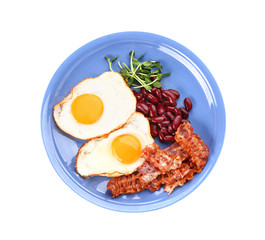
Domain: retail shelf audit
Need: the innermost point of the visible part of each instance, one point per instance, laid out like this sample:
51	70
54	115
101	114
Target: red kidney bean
158	94
142	107
153	129
153	90
153	78
168	103
177	111
170	115
175	92
144	92
160	136
170	128
134	92
152	112
167	118
158	119
160	109
164	131
164	123
138	96
159	125
176	122
169	95
184	113
169	138
185	121
173	102
170	108
152	98
188	104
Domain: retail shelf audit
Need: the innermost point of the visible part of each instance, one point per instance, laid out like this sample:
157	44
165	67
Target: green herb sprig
110	61
139	74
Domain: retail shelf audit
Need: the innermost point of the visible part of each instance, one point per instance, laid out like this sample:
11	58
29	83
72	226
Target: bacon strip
125	184
170	167
198	153
193	145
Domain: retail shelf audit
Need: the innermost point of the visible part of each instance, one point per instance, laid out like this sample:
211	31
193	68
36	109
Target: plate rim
154	205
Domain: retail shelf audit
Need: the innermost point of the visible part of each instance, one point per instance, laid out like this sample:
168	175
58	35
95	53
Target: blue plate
188	75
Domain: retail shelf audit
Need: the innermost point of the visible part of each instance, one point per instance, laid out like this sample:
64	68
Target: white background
37	36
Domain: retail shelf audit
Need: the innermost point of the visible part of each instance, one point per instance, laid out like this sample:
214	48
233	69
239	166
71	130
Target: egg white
118	101
96	158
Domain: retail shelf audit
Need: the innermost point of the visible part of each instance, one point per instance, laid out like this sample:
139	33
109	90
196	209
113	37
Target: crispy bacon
193	145
198	153
170	167
125	184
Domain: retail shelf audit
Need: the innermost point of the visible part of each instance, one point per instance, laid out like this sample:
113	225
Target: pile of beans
159	106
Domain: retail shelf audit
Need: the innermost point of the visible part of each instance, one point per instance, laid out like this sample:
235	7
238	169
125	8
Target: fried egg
118	153
95	106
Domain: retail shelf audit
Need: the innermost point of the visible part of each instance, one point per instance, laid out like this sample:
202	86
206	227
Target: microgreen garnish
110	61
139	74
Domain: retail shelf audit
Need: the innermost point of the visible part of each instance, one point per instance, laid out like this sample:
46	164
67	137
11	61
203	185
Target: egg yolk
87	108
126	148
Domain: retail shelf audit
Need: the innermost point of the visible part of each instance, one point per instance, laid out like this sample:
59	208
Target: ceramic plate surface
188	75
